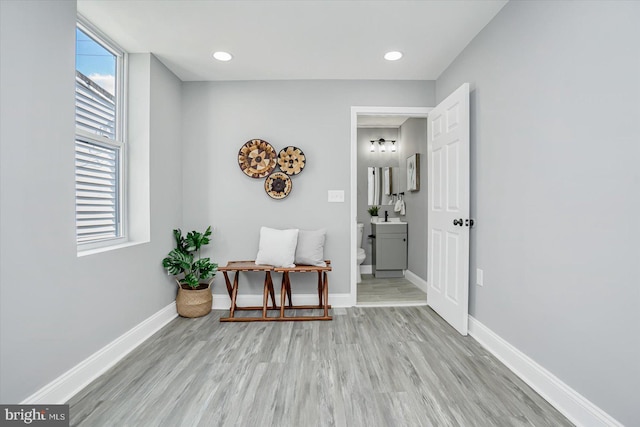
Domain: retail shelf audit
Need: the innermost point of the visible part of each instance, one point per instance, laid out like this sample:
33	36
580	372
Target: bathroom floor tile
400	291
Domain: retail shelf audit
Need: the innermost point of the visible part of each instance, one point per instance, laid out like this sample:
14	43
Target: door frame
420	112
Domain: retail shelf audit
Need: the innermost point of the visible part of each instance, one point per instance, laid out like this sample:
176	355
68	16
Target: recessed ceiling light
222	56
393	56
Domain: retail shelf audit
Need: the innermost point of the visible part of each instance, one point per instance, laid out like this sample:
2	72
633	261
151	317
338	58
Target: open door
448	209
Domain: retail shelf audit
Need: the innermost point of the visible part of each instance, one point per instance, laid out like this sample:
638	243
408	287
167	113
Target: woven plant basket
194	302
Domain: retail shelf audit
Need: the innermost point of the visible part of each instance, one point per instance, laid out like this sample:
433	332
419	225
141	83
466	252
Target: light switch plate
479	277
336	196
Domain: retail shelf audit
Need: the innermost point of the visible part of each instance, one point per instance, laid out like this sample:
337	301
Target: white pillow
277	247
310	249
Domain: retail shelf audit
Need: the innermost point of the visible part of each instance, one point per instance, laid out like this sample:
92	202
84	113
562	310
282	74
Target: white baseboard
569	402
222	302
416	280
71	382
366	269
391	304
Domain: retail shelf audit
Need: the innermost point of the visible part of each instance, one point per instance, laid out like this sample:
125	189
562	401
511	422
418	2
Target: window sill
87	252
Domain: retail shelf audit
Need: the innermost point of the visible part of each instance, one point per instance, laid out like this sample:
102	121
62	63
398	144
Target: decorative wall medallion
257	158
278	185
291	160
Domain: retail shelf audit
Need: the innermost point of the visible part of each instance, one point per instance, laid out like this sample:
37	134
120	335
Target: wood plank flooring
388	292
391	366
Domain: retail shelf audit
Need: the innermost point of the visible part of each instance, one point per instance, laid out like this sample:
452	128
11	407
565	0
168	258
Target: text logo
34	415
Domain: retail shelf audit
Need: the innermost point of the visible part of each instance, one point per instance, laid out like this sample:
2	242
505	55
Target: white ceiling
295	39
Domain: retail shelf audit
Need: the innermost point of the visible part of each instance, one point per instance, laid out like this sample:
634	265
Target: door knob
457	222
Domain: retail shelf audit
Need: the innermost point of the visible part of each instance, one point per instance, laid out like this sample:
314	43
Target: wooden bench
323	291
247	266
237	267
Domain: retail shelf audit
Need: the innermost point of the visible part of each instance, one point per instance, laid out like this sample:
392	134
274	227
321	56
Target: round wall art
257	158
278	185
291	160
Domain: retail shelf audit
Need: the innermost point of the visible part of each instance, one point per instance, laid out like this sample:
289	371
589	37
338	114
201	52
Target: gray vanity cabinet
389	249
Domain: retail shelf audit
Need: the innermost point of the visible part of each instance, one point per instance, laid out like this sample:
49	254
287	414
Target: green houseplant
373	210
192	273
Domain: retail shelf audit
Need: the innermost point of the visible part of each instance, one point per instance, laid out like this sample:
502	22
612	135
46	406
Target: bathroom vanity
389	248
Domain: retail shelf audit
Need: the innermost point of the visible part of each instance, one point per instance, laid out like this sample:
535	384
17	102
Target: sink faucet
386	216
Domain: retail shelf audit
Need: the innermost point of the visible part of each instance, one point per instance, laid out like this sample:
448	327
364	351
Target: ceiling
295	39
381	121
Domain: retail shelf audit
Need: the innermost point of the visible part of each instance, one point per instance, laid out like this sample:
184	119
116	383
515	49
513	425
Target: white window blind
95	108
97	192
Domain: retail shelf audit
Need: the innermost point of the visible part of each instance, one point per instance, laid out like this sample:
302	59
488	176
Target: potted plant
193	275
373	210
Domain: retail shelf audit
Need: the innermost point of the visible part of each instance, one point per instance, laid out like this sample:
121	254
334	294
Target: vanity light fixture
222	56
381	141
393	146
373	147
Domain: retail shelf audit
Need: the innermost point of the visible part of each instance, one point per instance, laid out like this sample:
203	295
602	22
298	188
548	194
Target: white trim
109	248
416	280
569	402
366	269
75	379
353	203
392	304
379	126
222	302
391	111
366	111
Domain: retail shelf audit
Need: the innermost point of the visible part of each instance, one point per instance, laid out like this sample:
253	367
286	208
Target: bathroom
384	144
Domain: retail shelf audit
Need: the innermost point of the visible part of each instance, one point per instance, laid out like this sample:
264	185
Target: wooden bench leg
289	291
271	291
228	283
234	294
320	291
283	292
265	296
326	295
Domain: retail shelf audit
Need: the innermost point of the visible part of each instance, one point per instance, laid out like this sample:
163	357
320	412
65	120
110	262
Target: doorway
448	222
380	117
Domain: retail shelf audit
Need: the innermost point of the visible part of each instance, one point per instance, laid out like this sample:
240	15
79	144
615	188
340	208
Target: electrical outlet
479	277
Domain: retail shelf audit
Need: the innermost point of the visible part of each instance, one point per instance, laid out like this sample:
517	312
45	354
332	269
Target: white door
448	209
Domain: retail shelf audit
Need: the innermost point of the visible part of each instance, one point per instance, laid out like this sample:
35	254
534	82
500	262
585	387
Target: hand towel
397	206
402	207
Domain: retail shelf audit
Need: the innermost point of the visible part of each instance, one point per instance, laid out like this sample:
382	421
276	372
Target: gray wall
413	139
312	115
57	309
554	86
376	159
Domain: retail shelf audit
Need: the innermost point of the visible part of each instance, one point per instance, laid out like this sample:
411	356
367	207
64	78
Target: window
99	143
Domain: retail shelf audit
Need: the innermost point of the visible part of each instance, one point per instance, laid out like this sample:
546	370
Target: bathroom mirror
380	185
386	181
374	185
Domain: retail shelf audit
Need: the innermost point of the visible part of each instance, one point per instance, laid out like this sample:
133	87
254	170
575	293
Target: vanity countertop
380	221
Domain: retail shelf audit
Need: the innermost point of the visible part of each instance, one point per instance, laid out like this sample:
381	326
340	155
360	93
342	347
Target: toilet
360	256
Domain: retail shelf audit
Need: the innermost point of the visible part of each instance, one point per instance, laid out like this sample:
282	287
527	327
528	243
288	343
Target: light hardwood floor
391	366
389	292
